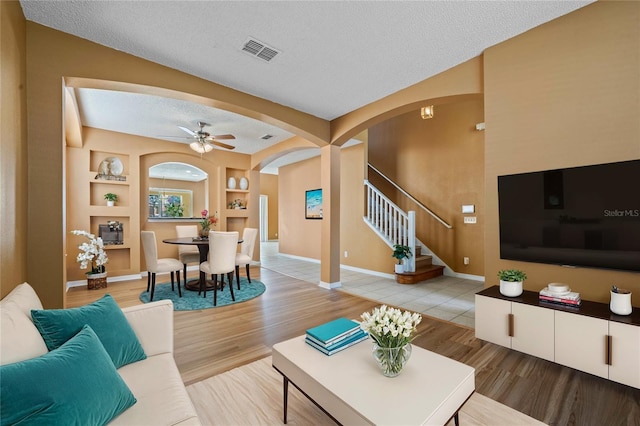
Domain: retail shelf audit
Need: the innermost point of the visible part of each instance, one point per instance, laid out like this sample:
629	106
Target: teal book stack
335	335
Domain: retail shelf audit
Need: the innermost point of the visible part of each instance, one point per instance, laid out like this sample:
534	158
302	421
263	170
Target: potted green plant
400	252
111	198
511	282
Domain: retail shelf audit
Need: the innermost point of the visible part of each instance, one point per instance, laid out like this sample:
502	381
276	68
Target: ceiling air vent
259	49
266	137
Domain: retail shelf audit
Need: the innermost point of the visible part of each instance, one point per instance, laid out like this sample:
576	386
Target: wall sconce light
426	112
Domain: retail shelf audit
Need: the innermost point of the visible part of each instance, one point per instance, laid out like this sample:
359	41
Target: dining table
203	249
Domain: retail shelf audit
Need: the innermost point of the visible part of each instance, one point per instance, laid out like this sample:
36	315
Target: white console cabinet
590	339
581	343
624	354
524	328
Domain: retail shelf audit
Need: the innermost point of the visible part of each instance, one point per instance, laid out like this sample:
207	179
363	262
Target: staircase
425	269
394	226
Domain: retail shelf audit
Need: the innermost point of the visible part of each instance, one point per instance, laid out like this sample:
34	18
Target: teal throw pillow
76	384
105	318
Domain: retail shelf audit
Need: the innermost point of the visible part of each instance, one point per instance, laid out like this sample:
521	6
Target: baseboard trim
330	286
83	283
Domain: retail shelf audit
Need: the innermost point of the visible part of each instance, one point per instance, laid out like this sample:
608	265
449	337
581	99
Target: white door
264	218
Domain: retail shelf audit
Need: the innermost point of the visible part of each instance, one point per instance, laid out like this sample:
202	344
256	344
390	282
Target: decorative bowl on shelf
558	288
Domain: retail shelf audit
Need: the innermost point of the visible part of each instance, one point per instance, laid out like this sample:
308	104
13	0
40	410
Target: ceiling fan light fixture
201	147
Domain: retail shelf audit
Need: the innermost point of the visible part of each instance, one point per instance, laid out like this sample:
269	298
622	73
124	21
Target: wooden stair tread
422	273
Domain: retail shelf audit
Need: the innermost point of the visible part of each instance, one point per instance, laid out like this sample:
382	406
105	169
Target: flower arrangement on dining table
392	332
207	222
91	253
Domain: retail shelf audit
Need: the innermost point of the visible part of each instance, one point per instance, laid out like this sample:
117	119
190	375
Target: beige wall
86	209
440	162
365	250
269	187
13	148
54	58
301	237
297	235
564	94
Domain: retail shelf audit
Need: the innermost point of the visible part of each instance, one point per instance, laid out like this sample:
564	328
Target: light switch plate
468	208
470	219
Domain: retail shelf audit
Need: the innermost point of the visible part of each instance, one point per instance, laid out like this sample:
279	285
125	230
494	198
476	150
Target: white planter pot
620	303
110	203
399	268
511	288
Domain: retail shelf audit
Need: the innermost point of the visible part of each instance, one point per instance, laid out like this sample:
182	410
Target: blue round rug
190	301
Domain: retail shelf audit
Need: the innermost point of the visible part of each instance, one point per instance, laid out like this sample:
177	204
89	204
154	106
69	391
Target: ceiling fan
204	141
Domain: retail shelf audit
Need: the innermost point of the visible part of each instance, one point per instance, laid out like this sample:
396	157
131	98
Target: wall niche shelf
235	219
237	213
117	247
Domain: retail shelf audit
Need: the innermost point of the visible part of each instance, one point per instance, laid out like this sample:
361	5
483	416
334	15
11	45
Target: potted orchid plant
93	253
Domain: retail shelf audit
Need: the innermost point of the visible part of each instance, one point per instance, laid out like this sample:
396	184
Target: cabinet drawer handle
609	349
511	325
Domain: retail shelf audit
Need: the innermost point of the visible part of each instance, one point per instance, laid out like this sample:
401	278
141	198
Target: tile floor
447	298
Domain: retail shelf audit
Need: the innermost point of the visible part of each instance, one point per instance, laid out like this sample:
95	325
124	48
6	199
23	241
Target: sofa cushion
25	297
107	320
161	394
74	384
19	338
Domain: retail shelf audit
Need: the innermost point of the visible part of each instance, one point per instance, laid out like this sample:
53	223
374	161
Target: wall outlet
465	260
346	253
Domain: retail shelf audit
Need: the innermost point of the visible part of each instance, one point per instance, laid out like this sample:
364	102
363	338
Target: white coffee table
351	389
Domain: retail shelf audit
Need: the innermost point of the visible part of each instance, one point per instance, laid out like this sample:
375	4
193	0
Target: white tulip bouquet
389	327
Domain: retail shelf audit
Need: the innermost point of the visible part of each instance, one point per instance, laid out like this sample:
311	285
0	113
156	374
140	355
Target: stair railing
390	222
418	203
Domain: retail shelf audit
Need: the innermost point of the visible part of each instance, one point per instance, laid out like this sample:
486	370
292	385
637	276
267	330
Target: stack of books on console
335	335
560	294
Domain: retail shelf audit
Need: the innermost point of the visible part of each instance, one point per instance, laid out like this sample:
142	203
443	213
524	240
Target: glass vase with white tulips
392	332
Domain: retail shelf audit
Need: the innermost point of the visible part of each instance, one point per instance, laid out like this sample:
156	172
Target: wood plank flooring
222	400
213	341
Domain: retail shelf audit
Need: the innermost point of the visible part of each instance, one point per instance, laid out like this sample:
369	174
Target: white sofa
162	398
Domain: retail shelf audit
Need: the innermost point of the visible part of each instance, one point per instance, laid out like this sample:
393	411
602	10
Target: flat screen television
582	216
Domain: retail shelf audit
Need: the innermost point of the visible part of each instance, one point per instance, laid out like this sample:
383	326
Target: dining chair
245	255
222	260
187	253
155	265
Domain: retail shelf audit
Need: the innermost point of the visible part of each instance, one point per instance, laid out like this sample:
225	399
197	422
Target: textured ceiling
334	57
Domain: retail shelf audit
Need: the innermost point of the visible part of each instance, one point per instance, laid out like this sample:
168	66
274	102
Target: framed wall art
313	204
